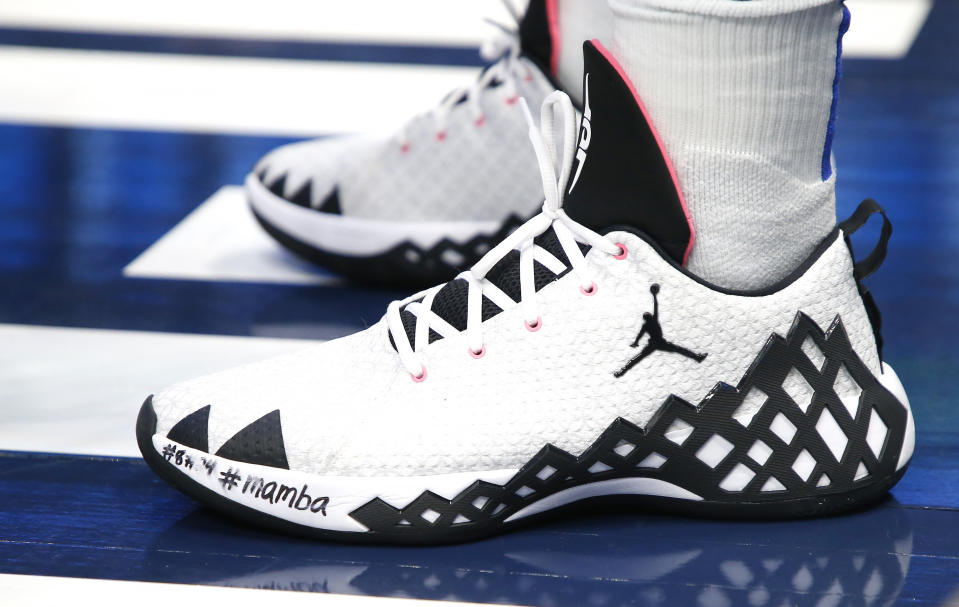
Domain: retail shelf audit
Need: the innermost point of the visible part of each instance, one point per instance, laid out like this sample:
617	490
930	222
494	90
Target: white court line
430	22
222	241
881	28
43	590
884	29
270	96
67	390
214	94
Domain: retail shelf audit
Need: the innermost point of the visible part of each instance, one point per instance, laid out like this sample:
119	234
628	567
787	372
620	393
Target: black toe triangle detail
332	203
192	430
279	186
259	443
304	195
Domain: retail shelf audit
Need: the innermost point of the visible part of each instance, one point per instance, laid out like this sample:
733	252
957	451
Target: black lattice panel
452	255
785	450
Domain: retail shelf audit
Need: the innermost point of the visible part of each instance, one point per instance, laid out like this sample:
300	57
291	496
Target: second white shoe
415	208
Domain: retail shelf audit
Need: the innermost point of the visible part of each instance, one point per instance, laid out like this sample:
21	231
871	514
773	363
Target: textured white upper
349	408
579	21
473	172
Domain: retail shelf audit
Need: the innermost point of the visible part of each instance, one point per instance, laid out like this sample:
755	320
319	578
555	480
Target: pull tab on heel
872	262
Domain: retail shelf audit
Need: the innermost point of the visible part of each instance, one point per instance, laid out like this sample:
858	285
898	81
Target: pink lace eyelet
480	121
623	251
441	136
536	326
421	377
405	148
512	100
480	354
590	291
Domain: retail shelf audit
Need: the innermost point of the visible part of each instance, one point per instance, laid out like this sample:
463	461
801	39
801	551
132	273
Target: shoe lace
502	51
557	112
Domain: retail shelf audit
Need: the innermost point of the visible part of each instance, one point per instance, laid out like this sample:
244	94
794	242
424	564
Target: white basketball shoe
576	362
417	207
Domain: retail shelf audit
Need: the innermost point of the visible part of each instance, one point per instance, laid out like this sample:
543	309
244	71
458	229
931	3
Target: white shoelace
554	171
505	46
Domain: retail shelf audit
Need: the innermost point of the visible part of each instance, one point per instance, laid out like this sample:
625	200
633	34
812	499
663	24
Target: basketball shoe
417	207
577	362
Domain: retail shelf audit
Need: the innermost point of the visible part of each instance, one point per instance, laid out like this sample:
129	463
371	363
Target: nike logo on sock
584	137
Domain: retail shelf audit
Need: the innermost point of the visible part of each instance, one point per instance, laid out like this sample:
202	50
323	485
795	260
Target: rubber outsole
818	506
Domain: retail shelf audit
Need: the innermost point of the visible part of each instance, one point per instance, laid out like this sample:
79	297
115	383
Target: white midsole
355	236
638	485
891	382
343	494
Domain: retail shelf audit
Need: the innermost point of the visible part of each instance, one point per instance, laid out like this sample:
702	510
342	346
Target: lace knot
554	168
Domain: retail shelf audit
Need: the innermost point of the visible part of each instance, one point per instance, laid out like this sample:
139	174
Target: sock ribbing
578	21
742	95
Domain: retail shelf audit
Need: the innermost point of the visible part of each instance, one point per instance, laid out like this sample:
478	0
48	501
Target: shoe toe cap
281	412
220	424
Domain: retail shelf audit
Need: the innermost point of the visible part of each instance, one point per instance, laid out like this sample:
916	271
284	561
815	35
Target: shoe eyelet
480	354
590	291
405	148
623	251
512	100
421	377
480	121
441	136
534	327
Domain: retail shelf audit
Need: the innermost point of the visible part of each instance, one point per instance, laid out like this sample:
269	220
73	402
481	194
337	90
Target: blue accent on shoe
831	127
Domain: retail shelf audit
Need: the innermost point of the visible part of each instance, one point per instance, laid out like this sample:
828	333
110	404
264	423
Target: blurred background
128	261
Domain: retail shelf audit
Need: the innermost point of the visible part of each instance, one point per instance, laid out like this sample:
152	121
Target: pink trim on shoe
552	18
421	377
662	148
536	326
479	354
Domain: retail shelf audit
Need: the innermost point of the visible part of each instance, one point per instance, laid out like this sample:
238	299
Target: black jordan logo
652	328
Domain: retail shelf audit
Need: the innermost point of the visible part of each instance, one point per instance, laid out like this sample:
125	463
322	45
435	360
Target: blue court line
241	47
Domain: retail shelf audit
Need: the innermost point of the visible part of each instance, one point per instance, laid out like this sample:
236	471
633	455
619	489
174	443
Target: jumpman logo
652	328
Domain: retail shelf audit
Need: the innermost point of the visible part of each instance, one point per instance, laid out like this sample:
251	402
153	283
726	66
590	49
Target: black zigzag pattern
795	461
406	265
446	258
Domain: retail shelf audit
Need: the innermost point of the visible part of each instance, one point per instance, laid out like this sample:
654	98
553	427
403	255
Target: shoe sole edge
425	534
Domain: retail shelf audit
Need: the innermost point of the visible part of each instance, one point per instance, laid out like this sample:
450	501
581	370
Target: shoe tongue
621	175
537	35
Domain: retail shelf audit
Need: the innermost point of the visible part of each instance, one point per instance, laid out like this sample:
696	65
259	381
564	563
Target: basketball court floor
129	261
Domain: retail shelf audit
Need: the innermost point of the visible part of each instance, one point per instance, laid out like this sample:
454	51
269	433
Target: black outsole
817	506
404	266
